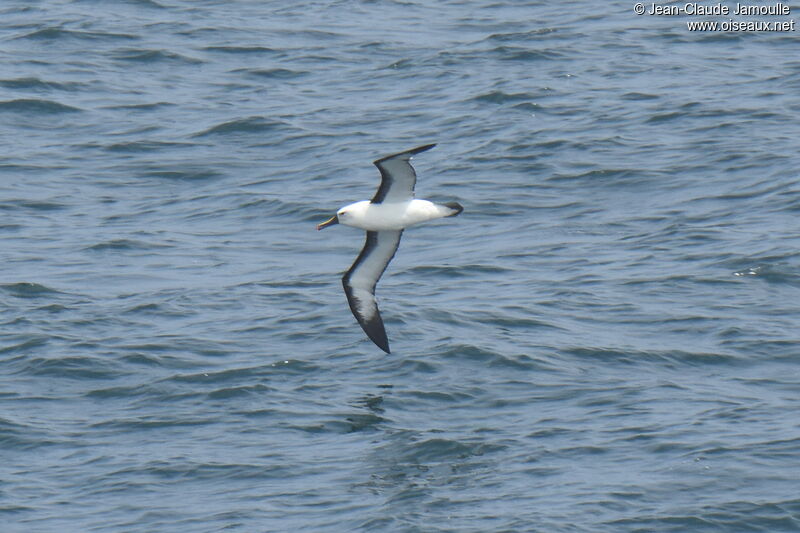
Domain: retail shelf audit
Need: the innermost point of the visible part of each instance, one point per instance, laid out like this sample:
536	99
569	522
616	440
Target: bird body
391	216
391	210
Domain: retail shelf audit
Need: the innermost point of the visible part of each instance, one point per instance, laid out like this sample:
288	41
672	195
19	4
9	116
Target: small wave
460	397
24	347
33	105
121	392
36	84
512	53
460	270
517	322
665	117
130	424
123	244
76	367
665	356
500	97
272	73
401	64
776	274
533	35
348	423
145	146
143	107
184	174
639	96
606	174
22	437
41	205
144	308
238	391
276	369
27	290
527	106
154	56
17	169
242	50
60	33
147	3
491	358
716	37
437	450
290	284
762	516
246	125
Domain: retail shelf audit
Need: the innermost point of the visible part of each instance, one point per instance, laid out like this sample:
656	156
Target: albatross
391	210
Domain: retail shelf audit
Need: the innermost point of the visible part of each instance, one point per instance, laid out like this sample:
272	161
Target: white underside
390	216
366	275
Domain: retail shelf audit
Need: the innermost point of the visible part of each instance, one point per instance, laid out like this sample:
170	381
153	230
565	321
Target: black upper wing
397	176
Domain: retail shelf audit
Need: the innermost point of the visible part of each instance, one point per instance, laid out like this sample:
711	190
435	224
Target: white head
346	215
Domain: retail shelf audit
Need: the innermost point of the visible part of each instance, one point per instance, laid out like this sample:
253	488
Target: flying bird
391	210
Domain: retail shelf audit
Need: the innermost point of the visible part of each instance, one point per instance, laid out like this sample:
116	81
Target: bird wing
359	283
397	176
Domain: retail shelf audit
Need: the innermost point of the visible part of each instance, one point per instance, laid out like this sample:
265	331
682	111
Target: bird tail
456	207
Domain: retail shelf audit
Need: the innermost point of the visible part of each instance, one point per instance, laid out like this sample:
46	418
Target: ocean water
605	340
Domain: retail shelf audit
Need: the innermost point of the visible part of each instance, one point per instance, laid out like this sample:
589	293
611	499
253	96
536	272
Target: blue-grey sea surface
607	338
